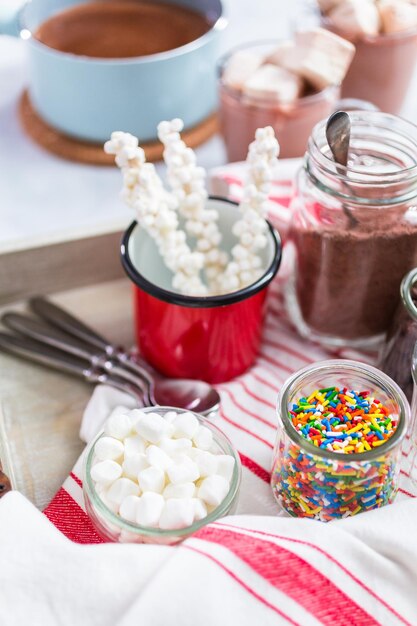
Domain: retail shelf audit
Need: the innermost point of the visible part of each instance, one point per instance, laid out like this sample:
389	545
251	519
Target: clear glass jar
240	114
321	484
354	231
113	528
397	353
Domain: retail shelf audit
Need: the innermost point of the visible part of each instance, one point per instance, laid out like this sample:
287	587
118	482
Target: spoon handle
44	333
70	324
31	350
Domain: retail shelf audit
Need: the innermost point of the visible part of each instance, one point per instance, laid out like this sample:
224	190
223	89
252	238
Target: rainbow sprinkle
344	422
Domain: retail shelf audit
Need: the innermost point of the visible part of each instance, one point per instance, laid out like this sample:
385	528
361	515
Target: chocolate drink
381	69
240	116
119	28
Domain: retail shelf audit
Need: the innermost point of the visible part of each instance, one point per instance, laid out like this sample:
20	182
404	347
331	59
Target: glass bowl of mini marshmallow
158	475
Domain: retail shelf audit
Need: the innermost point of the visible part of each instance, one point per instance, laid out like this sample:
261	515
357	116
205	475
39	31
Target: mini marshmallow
397	16
203	438
213	490
177	513
225	466
321	57
200	509
133	465
158	458
106	471
121	488
152	427
151	479
271	82
175	446
356	18
149	509
114	508
134	445
118	426
206	462
128	508
183	471
181	490
240	67
108	448
185	425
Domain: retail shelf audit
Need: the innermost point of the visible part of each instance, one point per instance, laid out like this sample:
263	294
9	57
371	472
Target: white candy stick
187	181
156	212
252	229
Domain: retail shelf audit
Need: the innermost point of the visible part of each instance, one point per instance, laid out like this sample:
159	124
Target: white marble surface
42	197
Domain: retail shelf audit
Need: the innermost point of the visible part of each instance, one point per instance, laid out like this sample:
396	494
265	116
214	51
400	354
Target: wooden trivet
85	152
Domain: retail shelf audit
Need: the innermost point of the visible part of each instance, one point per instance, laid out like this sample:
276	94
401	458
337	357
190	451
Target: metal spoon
195	395
338	137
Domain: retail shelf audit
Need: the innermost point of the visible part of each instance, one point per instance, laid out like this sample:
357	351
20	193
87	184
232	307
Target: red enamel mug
213	338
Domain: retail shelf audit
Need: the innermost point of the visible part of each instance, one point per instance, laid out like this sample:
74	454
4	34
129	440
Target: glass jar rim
227	448
338	365
320	165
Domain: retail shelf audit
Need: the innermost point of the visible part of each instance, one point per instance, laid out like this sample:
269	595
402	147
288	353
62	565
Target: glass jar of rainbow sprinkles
341	426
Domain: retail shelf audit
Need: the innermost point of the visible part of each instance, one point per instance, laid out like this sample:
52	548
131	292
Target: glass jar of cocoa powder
354	231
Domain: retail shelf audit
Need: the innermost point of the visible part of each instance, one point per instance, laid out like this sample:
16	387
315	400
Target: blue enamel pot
88	98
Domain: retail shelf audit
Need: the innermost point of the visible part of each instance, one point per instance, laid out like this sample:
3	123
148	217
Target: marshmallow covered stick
251	229
156	211
356	18
320	57
397	15
187	181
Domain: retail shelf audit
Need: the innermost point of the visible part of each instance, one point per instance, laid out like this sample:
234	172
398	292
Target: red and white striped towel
256	566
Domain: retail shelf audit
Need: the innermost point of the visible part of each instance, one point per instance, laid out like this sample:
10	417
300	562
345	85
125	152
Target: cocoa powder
348	280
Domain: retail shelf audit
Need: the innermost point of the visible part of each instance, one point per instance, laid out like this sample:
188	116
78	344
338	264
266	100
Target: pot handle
9	17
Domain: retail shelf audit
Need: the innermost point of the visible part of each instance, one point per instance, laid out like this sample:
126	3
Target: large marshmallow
128	508
321	57
152	427
118	426
240	67
397	16
213	490
177	513
356	19
203	438
133	465
181	490
271	82
280	53
134	445
108	448
149	509
106	471
158	457
327	5
183	471
225	466
151	479
185	426
121	488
